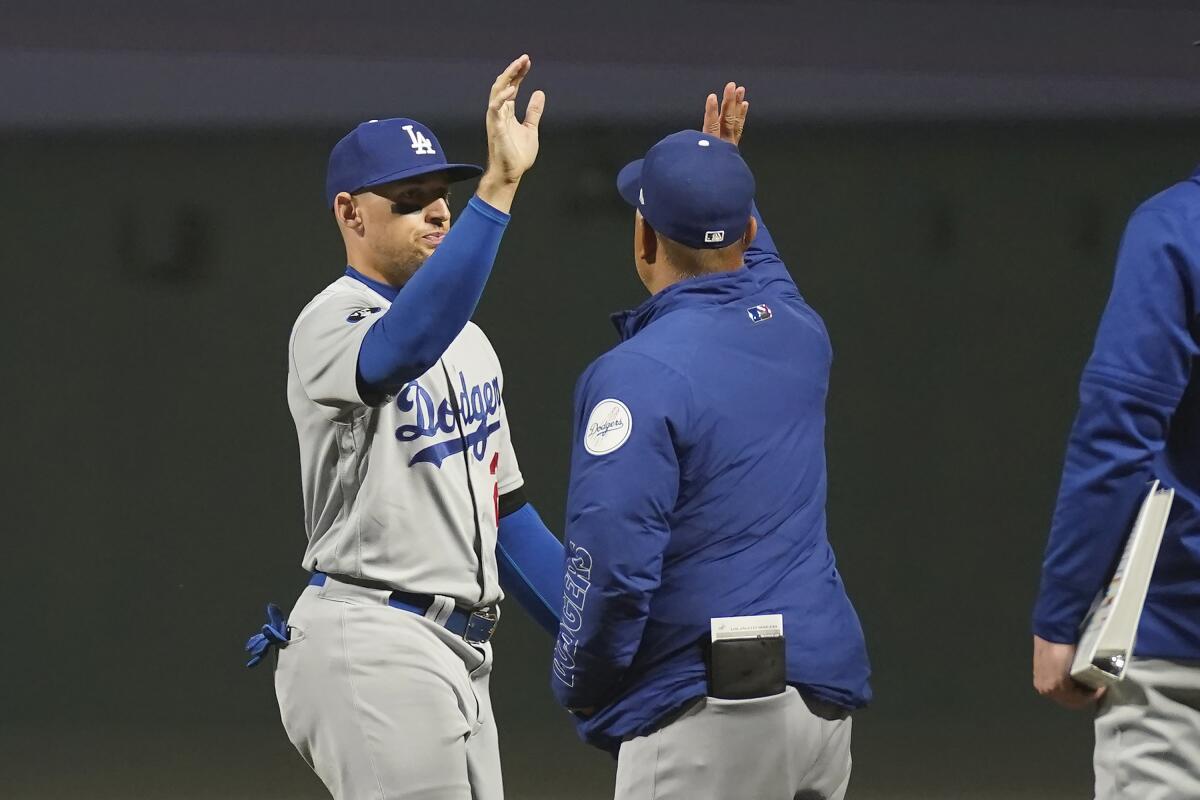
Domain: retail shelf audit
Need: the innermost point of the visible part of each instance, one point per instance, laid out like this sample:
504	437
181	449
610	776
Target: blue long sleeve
1130	389
764	262
624	483
530	559
435	305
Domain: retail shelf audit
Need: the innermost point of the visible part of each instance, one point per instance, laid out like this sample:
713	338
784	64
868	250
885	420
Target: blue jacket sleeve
623	486
1131	386
434	306
763	260
530	559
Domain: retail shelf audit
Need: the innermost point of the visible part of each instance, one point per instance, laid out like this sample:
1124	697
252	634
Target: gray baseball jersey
404	492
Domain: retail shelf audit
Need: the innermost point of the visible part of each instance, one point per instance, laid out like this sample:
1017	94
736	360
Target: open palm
513	144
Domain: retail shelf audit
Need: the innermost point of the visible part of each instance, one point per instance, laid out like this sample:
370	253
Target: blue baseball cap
386	150
692	188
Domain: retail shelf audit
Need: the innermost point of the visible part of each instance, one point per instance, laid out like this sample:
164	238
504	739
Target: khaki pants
768	748
1148	733
385	704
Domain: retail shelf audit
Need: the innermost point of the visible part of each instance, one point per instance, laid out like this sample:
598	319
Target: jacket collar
707	290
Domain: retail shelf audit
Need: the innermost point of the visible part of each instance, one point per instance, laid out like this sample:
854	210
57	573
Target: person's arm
530	559
727	121
624	484
1131	386
435	305
762	259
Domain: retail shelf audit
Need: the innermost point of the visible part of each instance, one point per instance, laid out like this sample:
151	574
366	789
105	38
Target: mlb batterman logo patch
608	427
362	313
759	313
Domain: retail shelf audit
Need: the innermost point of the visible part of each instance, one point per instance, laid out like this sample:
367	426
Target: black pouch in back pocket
740	669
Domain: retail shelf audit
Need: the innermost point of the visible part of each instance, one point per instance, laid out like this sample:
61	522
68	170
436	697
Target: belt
475	626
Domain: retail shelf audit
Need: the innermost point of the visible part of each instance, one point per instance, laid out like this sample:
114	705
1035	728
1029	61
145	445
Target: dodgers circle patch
608	427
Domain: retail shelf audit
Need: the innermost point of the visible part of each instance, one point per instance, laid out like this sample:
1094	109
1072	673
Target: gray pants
769	748
385	704
1148	733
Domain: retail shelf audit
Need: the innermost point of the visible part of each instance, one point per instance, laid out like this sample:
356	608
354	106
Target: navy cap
692	188
386	150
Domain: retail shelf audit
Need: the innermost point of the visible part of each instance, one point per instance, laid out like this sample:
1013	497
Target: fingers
733	117
518	69
727	118
533	112
1075	697
712	121
504	88
1068	693
502	97
727	97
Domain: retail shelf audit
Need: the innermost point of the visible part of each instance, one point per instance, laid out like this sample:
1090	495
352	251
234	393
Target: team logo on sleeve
608	427
359	314
759	313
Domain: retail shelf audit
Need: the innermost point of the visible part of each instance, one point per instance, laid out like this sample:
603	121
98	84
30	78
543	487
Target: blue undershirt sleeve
530	559
434	306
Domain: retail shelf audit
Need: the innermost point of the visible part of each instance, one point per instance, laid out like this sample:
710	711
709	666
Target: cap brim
453	172
629	182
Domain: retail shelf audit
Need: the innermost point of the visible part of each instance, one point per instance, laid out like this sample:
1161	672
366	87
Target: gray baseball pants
1148	733
385	704
768	748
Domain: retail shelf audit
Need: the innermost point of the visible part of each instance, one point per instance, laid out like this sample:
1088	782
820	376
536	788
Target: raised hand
728	121
512	144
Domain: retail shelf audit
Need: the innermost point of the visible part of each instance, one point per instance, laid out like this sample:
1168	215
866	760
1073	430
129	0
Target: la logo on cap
420	142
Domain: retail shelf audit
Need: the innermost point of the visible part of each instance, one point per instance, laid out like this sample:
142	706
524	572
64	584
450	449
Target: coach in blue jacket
698	491
1139	419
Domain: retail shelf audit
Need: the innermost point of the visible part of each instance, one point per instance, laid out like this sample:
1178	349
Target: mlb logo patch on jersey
358	315
760	313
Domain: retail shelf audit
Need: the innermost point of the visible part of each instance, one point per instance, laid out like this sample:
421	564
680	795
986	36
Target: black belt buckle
481	625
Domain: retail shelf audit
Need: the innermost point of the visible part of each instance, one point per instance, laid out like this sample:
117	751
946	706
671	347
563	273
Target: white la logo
420	142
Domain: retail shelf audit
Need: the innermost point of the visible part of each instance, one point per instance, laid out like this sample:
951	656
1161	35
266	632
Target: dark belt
475	626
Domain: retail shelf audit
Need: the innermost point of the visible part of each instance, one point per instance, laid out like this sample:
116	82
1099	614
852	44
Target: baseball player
697	492
412	492
1138	420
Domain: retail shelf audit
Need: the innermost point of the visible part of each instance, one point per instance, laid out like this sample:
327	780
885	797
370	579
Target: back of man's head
696	195
693	189
692	262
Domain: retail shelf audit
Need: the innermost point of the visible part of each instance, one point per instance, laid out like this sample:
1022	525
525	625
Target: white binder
1111	626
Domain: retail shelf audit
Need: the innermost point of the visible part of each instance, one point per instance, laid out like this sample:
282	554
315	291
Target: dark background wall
152	493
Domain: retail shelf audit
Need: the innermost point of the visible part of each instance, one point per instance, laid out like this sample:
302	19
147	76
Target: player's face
405	221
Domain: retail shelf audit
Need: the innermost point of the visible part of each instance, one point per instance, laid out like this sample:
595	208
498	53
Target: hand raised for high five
512	144
729	120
